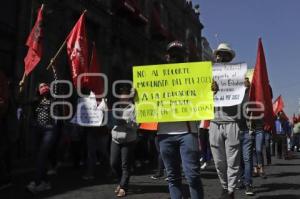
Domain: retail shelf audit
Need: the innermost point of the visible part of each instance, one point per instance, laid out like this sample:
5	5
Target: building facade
126	32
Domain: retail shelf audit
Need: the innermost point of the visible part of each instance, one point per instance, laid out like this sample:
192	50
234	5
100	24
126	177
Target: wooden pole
56	55
59	51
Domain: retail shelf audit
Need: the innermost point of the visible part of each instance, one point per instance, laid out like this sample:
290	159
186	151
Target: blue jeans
183	148
246	141
258	154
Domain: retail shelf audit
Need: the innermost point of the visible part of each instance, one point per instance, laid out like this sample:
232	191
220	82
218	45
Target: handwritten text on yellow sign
174	92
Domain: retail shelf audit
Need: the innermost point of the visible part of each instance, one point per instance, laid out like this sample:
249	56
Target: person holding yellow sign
178	143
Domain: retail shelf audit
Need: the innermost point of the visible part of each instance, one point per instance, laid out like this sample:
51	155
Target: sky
240	23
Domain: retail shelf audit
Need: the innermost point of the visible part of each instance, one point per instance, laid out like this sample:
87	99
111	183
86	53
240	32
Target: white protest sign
230	79
88	113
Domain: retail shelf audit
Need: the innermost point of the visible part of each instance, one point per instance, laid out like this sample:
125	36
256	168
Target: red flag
284	116
77	50
95	83
278	105
34	43
294	118
260	88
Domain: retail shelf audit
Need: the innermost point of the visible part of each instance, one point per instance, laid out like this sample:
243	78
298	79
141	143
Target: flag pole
56	55
59	51
21	83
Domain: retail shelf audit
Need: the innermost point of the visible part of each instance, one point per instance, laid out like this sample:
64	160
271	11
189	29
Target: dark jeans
246	145
97	141
121	160
44	142
161	166
204	144
181	148
268	138
5	161
281	145
296	141
258	153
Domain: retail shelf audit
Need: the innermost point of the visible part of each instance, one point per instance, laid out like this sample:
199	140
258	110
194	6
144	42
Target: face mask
44	90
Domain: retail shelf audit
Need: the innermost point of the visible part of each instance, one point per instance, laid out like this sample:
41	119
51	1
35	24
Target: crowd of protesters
234	145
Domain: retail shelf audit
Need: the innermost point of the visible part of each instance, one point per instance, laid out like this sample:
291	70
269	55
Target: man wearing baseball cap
178	143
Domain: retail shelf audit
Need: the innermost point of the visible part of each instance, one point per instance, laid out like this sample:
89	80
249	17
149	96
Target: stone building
126	33
207	52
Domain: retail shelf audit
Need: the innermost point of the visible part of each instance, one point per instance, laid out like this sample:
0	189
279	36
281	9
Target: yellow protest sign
173	92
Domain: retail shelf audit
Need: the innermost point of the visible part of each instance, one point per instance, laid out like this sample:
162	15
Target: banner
173	92
230	79
88	113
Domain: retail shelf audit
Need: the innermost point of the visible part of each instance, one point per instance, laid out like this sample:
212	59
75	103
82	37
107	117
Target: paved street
283	182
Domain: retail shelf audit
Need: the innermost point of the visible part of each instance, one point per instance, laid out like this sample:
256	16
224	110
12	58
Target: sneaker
88	177
43	186
249	191
117	189
156	176
201	160
121	193
31	185
5	185
51	172
204	166
138	164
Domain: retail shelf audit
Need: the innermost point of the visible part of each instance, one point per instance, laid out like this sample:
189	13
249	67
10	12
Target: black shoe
249	191
5	185
240	186
230	195
263	175
224	194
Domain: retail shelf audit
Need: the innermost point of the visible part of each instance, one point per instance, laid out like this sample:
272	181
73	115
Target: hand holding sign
174	92
231	82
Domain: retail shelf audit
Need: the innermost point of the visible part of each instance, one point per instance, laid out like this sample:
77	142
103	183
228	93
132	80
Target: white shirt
176	128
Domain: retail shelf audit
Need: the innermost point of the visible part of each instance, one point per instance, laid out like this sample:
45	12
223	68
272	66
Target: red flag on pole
278	105
284	116
95	83
34	43
260	91
77	50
